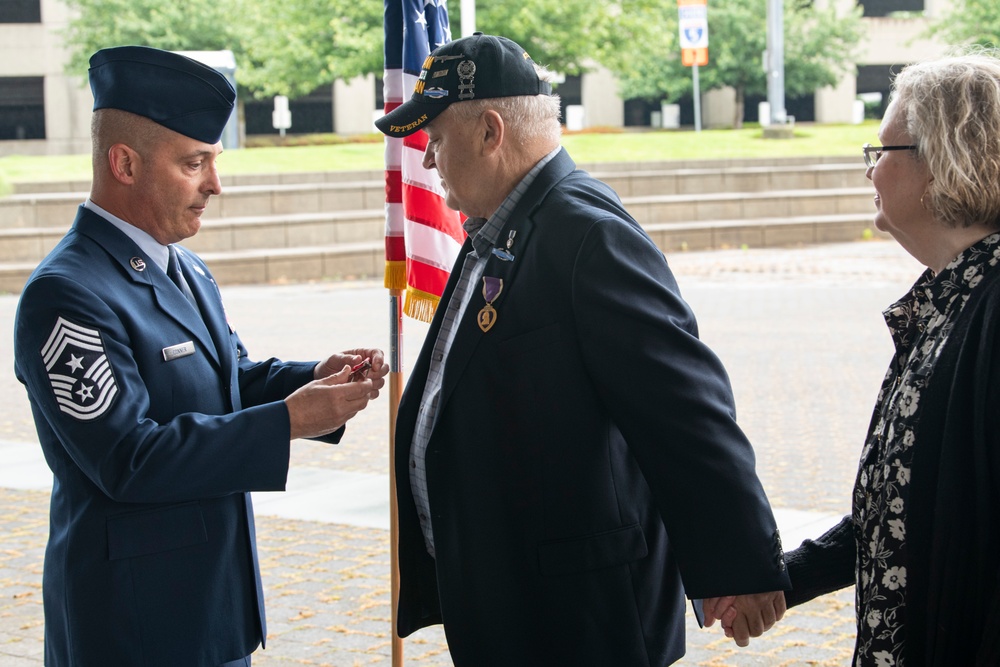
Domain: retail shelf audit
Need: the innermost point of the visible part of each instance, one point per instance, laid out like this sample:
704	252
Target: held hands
745	616
336	395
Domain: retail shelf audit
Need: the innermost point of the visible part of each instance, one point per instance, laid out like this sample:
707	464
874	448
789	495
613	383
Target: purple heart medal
491	290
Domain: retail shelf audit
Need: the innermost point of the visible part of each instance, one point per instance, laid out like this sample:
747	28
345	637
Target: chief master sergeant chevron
154	421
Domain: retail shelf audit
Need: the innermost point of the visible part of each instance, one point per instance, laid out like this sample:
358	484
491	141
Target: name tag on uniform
178	351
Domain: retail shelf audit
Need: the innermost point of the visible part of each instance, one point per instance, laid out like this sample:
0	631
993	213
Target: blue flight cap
180	94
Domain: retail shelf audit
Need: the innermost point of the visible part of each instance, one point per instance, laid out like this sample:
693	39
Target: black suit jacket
151	558
585	468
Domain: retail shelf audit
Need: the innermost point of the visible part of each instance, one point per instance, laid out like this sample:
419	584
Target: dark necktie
174	271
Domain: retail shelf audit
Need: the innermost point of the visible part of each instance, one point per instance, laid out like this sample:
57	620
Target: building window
877	79
312	113
888	7
570	92
22	108
20	11
802	108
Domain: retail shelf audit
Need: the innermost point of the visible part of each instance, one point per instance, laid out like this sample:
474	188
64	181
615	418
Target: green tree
819	49
639	42
969	22
179	25
282	47
562	35
293	47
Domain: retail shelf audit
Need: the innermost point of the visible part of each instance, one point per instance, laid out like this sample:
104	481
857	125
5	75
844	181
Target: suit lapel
137	266
521	222
410	401
212	316
469	333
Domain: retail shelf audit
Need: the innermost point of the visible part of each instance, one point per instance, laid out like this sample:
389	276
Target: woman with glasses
922	543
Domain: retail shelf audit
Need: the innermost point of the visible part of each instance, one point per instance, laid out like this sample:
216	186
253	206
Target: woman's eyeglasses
873	153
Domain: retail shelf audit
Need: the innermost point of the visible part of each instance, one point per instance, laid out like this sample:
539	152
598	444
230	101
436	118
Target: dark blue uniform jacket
156	426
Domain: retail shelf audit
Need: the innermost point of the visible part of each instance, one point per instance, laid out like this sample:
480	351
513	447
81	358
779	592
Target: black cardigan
953	523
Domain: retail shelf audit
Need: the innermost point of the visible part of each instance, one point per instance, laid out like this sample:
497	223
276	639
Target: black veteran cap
471	68
178	93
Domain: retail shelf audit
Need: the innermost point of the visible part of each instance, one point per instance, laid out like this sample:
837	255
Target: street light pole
776	62
468	17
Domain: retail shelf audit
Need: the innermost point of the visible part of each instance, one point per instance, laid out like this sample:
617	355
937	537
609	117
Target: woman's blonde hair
951	107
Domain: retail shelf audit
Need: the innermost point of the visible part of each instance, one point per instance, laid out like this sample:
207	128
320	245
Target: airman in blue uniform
155	422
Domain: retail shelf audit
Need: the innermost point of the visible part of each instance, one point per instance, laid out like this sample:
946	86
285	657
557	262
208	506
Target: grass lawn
585	147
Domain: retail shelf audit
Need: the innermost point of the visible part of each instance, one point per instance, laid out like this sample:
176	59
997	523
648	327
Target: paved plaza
799	329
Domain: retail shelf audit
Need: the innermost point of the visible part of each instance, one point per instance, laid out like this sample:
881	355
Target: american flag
422	235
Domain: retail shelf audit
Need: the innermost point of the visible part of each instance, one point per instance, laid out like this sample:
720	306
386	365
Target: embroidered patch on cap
79	370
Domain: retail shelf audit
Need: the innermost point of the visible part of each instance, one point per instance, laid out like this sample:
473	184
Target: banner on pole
422	235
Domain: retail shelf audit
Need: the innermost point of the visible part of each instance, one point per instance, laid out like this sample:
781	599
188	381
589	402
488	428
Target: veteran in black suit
568	461
153	419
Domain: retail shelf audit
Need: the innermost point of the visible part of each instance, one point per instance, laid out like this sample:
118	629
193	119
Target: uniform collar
153	249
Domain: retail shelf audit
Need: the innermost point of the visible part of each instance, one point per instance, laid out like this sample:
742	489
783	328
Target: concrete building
45	111
890	40
42	110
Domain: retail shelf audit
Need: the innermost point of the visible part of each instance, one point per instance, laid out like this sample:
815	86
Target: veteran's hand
746	616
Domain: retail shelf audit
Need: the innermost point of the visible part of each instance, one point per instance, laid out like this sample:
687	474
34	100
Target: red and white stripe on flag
422	235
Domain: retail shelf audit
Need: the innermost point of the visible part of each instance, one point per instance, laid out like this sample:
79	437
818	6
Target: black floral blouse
920	323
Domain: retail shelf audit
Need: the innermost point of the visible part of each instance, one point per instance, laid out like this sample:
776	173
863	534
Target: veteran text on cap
472	68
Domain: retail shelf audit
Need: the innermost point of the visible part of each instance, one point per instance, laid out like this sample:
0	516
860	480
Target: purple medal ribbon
492	288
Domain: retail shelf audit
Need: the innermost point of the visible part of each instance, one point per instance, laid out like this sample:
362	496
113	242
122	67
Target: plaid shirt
484	234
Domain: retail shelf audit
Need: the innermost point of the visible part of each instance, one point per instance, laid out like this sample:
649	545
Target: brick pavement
799	330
